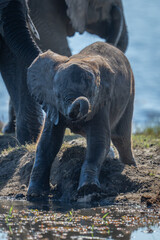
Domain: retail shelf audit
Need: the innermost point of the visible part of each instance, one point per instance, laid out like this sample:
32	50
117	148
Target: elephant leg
10	126
48	147
121	136
98	145
29	118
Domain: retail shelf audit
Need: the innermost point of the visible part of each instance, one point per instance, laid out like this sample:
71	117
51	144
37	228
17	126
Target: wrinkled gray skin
57	19
17	52
92	93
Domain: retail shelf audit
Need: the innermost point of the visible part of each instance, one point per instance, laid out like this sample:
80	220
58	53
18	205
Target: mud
120	183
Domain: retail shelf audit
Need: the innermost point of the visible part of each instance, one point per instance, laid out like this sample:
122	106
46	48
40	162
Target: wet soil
25	220
120	183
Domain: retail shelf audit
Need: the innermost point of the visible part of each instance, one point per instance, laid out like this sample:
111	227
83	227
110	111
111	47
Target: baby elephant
92	93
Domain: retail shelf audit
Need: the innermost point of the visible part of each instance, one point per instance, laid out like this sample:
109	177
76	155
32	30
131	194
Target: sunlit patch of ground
120	183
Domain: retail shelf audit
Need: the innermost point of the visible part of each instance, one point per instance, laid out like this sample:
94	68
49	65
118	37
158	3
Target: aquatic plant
10	215
70	215
92	234
106	221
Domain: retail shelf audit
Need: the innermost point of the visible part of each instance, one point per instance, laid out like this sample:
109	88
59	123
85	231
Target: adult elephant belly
99	28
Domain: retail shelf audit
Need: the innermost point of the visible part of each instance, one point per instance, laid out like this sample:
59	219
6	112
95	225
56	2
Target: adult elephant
17	51
57	19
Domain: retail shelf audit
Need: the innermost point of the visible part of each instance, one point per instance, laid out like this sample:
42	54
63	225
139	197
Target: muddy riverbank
120	183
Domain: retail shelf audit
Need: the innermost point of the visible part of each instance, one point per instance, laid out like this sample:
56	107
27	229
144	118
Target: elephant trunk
16	32
78	109
29	116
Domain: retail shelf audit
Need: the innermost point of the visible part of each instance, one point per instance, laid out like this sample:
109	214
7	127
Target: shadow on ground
119	182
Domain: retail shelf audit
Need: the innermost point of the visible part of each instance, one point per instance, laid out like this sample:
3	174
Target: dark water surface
143	21
24	220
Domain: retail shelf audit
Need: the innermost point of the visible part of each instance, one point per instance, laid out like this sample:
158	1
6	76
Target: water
143	23
144	54
56	221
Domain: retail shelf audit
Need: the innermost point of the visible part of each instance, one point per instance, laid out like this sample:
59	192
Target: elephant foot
89	188
37	190
130	162
9	128
89	182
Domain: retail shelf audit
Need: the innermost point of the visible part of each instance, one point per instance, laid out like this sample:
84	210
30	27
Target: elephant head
69	86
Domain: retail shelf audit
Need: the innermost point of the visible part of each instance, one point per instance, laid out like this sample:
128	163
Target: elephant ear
77	12
40	77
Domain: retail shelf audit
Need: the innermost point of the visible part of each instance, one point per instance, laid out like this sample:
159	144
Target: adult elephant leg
49	18
10	126
98	145
48	147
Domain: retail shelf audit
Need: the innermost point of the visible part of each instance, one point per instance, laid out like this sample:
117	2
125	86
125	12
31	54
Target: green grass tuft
1	126
150	131
27	147
147	138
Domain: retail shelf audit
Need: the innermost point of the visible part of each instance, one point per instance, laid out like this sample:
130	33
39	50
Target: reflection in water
145	233
56	221
3	235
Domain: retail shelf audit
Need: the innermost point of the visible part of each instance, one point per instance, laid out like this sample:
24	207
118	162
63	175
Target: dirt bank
120	183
